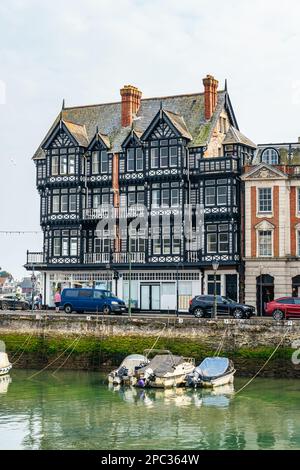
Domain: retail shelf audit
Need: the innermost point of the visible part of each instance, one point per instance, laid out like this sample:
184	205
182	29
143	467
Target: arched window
270	156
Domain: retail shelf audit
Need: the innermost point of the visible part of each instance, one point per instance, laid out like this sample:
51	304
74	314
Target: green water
77	410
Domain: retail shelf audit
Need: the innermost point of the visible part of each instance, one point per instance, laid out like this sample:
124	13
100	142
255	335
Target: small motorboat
165	371
126	373
5	365
212	372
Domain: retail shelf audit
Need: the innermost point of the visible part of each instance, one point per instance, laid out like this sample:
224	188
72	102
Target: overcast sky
85	51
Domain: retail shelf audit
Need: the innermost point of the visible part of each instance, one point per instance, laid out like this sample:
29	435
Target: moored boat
125	374
165	371
5	365
212	372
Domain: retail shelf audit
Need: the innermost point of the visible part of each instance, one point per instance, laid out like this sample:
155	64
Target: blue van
91	300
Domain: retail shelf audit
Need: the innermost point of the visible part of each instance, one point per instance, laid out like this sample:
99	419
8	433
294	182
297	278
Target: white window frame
71	164
259	255
219	242
259	211
73	246
222	195
104	161
55	203
63	167
210	195
56	246
54	165
65	246
208	243
95	162
139	156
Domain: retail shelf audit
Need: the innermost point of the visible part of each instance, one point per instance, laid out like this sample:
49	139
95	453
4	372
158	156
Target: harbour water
77	410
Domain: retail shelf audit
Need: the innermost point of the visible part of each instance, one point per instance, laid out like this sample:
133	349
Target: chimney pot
210	95
131	101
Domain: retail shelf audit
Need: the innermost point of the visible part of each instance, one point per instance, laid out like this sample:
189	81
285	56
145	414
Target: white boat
5	365
212	372
125	374
165	371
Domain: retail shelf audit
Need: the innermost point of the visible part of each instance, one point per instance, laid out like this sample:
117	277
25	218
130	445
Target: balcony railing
123	258
96	258
217	165
35	258
192	256
116	212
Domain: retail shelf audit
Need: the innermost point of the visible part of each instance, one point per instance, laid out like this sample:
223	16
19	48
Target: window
168	288
174	197
131	199
173	156
211	243
96	201
265	199
156	246
73	250
155	198
223	243
210	196
86	293
139	159
72	207
165	198
95	163
154	158
221	195
164	157
130	160
65	247
54	165
56	247
298	234
140	199
63	164
176	246
55	204
265	243
298	200
270	156
166	246
64	203
104	162
71	165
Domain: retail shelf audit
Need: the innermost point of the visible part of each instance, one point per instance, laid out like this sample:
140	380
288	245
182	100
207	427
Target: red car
285	307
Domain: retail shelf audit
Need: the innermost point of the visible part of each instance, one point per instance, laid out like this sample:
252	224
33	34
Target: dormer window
62	163
135	159
99	162
270	156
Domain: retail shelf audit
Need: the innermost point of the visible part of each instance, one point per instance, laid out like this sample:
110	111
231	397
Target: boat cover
163	363
132	361
213	366
4	362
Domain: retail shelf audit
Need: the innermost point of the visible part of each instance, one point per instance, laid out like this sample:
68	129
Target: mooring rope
28	338
75	344
219	349
264	365
52	362
155	342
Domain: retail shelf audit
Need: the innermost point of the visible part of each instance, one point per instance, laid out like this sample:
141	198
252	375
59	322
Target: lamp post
129	280
33	281
215	266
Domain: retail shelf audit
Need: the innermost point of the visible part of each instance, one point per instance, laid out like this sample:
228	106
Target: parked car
203	306
284	307
91	300
12	302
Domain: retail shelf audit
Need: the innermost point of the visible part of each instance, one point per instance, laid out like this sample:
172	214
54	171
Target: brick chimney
131	101
210	95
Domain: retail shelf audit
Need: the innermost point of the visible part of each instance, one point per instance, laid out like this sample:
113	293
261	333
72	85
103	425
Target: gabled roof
104	139
134	134
234	136
264	171
77	132
186	112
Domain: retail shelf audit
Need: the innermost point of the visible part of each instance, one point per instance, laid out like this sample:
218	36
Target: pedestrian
57	300
40	301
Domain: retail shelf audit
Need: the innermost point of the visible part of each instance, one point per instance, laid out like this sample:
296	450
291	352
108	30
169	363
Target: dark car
12	302
203	306
284	307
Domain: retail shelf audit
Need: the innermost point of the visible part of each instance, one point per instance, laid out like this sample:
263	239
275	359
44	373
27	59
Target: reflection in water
76	410
218	397
5	380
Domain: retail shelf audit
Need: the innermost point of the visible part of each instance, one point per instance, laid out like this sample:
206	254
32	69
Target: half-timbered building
162	153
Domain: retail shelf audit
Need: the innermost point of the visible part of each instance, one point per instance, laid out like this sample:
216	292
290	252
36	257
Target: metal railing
136	257
35	258
96	258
